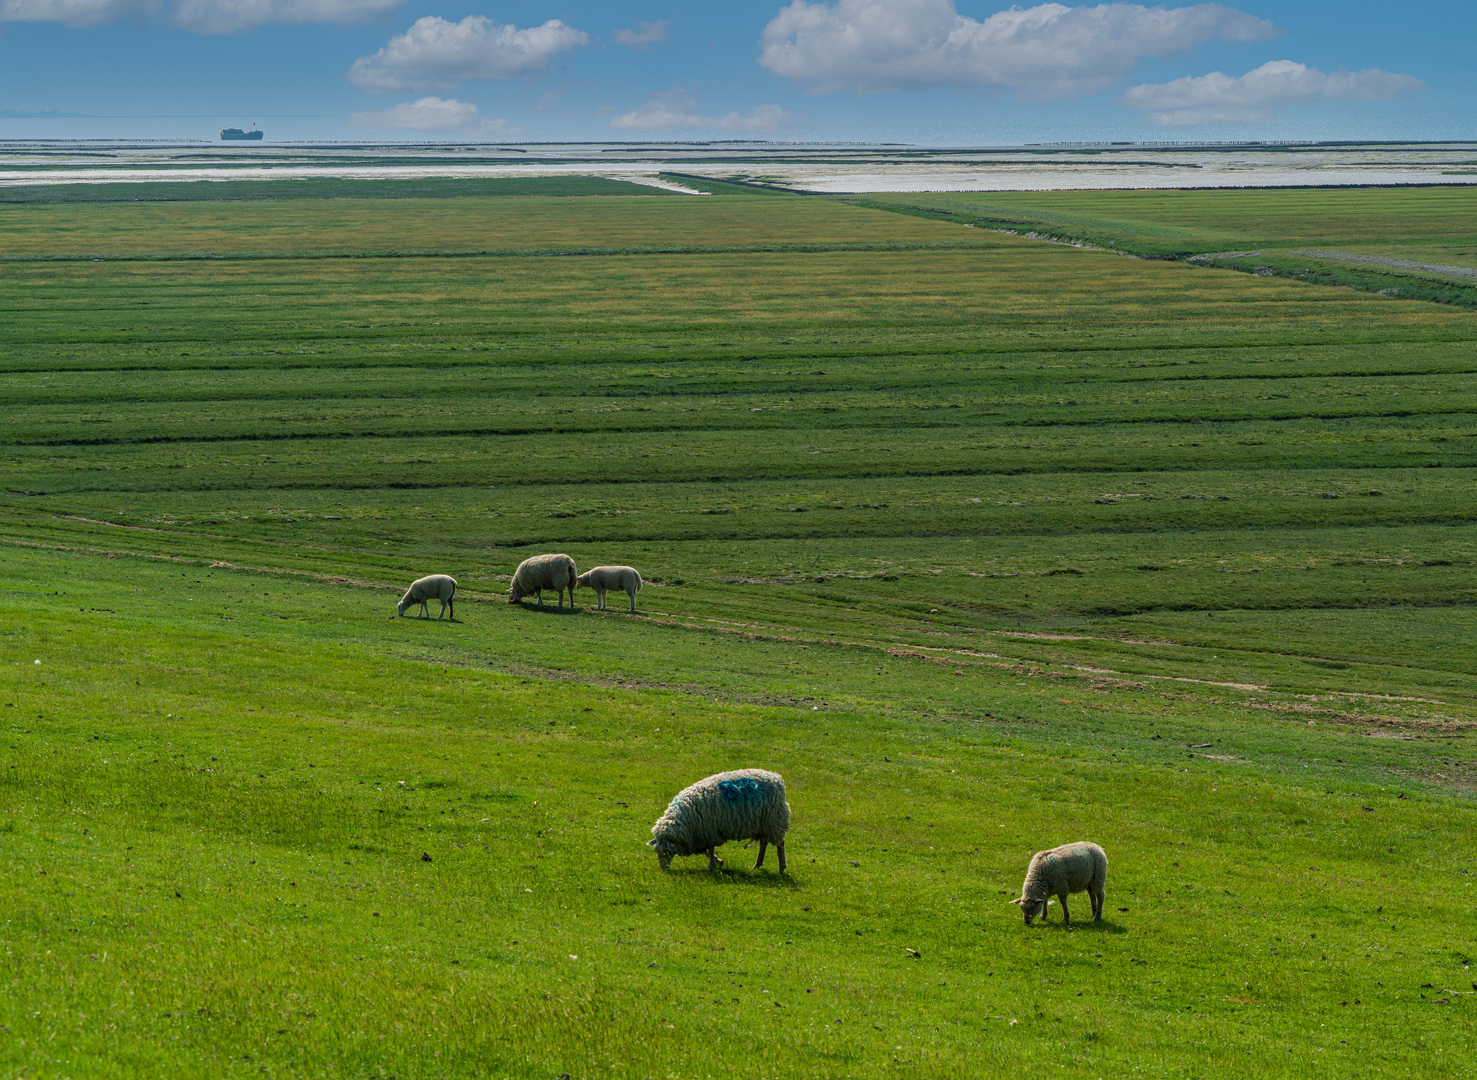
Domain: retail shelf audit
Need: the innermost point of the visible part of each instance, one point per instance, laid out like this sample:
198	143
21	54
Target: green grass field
986	544
1315	235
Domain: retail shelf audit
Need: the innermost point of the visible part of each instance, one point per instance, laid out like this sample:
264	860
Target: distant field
1295	233
988	544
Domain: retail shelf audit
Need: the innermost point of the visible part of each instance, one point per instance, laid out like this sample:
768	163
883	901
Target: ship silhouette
236	133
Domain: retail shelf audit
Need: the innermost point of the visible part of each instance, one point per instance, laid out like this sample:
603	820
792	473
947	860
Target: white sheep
435	587
542	572
608	578
1071	868
746	804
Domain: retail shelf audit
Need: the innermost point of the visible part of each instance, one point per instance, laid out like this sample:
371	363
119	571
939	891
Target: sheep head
1031	909
664	851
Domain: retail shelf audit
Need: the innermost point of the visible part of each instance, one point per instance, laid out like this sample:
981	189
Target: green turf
986	544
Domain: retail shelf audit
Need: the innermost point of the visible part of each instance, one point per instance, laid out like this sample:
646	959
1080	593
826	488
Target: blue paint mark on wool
743	790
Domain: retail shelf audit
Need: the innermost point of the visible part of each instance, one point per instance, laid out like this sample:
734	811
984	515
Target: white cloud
436	54
1046	51
646	33
77	13
432	115
676	110
200	16
230	16
1253	98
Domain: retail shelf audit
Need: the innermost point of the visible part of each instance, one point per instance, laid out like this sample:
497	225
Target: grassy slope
978	547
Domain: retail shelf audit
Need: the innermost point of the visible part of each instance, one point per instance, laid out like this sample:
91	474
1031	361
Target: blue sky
921	71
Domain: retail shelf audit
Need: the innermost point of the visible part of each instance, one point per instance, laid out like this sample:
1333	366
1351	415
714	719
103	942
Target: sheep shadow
532	608
1107	926
748	878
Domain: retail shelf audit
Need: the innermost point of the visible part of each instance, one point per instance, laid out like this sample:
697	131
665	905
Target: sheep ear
651	842
1017	902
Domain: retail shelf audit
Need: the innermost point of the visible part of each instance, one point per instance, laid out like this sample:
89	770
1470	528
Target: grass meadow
987	544
1317	235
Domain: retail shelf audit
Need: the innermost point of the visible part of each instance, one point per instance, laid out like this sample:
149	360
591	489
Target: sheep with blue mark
1071	868
744	804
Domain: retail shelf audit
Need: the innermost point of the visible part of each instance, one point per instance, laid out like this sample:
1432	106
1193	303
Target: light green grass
219	788
986	544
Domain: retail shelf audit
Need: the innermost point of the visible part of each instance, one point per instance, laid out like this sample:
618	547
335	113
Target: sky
930	72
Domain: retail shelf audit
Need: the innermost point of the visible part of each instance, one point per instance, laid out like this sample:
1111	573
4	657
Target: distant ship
237	133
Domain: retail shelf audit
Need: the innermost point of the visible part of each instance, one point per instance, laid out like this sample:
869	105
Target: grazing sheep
606	578
746	804
435	587
1070	868
542	572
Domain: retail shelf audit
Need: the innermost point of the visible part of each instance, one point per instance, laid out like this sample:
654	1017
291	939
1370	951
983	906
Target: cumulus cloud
676	110
200	16
436	54
433	115
1253	98
78	13
1047	51
645	33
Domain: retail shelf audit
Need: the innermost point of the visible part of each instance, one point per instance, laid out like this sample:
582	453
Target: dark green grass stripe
863	420
511	253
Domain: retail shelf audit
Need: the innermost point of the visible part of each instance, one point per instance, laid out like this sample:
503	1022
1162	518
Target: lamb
1070	868
604	578
746	804
542	572
435	587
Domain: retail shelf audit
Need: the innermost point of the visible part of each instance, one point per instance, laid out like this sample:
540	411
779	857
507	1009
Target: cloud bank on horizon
822	50
676	110
432	116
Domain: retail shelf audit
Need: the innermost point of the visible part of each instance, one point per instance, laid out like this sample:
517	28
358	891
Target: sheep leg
1066	916
713	861
540	594
760	861
780	849
425	611
632	594
1098	895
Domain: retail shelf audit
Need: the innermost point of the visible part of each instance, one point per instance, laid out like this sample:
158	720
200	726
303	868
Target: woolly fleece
1071	868
542	572
745	804
605	579
432	587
